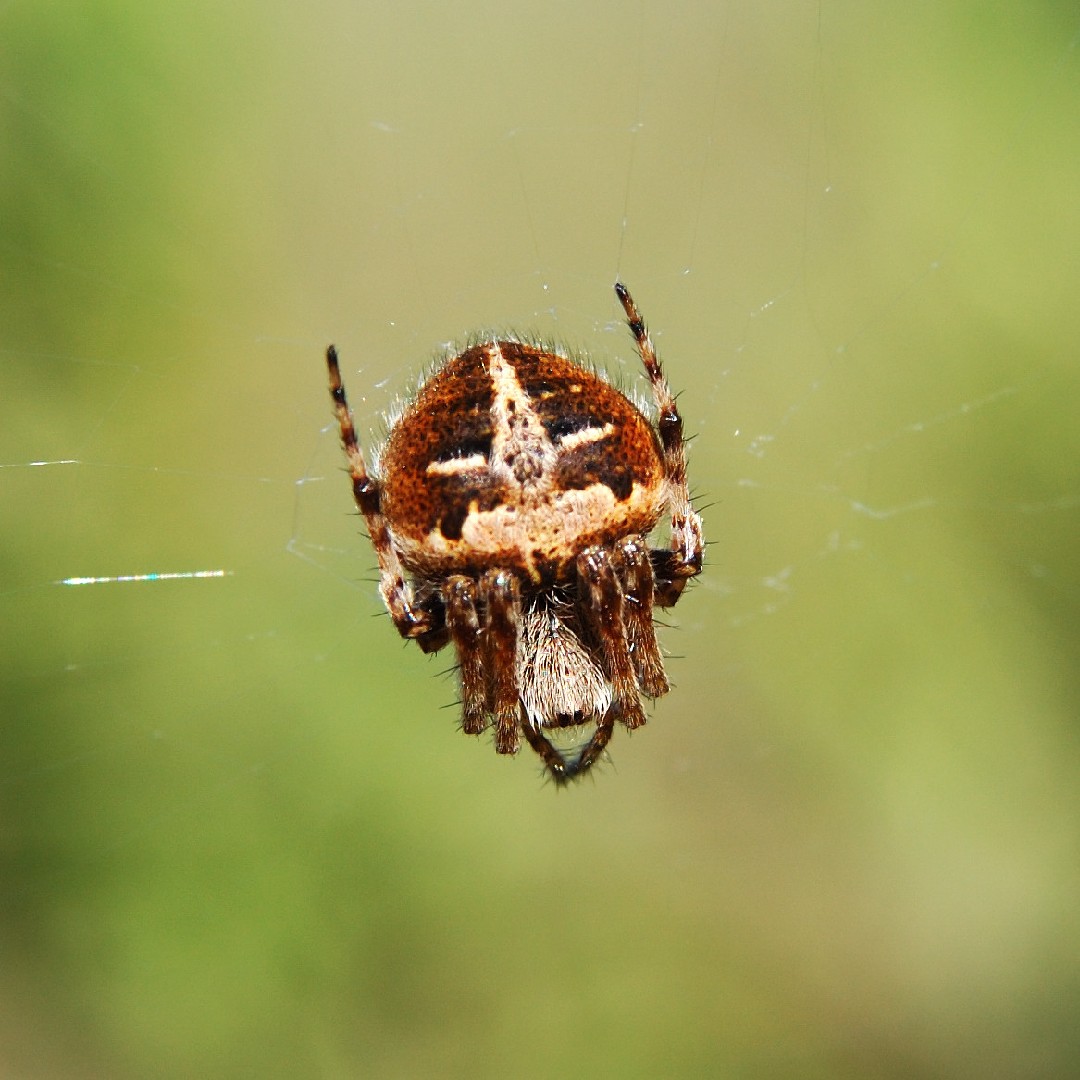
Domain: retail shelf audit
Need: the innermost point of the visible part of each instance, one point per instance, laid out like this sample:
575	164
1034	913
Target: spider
509	515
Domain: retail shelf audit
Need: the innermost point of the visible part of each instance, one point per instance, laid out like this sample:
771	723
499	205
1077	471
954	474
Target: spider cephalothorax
510	517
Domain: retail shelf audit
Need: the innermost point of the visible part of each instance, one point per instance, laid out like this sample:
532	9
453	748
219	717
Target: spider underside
510	517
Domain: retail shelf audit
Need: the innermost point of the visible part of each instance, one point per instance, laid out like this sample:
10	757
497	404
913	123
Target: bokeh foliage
238	834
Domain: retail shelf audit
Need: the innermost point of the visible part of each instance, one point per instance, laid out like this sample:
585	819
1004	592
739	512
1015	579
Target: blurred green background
239	833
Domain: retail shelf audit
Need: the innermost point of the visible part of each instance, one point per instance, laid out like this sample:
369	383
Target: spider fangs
510	516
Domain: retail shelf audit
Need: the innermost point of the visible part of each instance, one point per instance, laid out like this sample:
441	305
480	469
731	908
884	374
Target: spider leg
464	625
503	603
411	619
687	542
669	577
602	606
638	585
562	770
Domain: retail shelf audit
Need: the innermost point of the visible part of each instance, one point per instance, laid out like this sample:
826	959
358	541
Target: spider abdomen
516	457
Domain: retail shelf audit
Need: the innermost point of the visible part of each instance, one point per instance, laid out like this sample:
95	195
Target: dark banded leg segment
602	607
464	625
502	602
561	769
